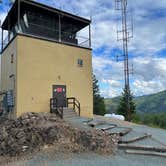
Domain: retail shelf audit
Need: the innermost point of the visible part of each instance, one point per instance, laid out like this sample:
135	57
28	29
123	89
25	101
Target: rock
10	141
24	148
18	124
20	134
21	141
24	116
4	133
53	119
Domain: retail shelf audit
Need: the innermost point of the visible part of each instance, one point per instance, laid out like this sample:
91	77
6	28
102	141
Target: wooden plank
135	139
126	131
149	153
96	123
106	127
142	147
123	132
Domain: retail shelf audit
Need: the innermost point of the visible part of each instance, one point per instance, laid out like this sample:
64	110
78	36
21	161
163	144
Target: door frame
65	93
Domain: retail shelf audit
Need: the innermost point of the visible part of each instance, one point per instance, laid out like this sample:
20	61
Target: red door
59	92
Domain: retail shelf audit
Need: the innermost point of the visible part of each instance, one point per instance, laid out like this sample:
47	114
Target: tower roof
12	16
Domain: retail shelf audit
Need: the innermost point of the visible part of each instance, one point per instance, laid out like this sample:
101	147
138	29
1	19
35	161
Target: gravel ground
91	159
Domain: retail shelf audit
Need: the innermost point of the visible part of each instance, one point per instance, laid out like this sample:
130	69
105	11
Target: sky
147	48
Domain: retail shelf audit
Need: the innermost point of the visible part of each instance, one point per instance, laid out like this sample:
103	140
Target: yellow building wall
42	64
8	68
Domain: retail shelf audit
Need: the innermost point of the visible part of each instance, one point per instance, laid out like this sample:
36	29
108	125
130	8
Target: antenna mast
126	33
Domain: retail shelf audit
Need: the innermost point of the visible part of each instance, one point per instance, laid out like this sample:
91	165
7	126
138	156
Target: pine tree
123	105
98	101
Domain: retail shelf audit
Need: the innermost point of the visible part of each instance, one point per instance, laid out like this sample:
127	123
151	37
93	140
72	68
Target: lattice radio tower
124	35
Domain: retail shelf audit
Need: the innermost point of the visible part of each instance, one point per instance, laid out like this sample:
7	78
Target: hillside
145	104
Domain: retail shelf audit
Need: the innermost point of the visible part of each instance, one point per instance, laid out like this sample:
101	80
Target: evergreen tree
98	101
123	105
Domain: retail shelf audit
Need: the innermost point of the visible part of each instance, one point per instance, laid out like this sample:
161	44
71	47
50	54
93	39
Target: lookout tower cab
44	56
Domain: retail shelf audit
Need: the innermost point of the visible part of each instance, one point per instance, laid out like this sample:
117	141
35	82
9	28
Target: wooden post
74	103
79	109
67	102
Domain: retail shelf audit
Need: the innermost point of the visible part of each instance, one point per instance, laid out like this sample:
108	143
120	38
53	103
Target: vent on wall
80	63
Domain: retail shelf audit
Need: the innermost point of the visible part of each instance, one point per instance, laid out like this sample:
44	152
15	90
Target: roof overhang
13	13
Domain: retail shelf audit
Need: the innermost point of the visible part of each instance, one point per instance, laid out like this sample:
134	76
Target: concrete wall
41	64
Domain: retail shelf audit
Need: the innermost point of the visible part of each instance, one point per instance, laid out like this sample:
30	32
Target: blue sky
147	49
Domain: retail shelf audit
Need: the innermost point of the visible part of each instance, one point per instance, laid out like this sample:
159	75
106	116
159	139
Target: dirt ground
33	133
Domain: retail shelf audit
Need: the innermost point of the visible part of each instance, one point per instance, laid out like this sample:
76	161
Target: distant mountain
145	104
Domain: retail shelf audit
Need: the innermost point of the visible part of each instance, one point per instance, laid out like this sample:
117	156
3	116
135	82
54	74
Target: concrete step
68	110
69	113
71	119
70	116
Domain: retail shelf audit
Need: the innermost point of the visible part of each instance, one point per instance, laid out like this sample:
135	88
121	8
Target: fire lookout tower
44	57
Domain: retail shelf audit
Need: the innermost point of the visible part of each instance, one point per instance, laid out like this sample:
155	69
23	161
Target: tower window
80	62
12	58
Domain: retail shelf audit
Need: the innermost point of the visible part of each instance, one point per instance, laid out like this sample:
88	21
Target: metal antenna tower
125	33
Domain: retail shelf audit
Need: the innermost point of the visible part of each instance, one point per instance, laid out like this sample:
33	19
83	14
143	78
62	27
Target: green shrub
155	120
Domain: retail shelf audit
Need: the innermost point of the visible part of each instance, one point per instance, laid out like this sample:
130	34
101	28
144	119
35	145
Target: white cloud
149	75
113	83
147	87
